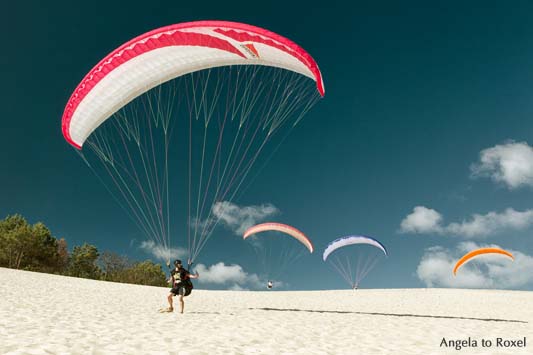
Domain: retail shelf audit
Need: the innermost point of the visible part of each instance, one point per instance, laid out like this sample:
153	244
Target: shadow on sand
387	314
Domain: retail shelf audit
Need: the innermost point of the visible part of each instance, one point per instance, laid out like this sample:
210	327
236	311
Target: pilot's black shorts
181	290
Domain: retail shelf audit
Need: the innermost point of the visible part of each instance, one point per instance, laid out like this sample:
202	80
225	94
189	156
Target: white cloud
486	271
510	164
424	220
421	220
162	253
221	273
234	274
238	218
492	222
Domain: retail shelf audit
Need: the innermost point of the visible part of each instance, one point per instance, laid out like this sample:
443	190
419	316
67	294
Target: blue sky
423	140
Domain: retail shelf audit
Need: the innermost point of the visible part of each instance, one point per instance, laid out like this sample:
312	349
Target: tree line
34	248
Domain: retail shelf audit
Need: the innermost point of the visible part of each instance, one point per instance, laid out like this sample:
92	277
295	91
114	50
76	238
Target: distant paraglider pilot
269	284
180	280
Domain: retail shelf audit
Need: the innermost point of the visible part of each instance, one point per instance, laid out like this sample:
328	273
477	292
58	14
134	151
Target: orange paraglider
477	252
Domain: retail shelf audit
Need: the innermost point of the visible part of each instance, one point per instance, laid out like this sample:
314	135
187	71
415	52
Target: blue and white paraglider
353	257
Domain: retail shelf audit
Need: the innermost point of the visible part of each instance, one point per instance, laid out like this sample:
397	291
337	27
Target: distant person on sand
180	280
269	284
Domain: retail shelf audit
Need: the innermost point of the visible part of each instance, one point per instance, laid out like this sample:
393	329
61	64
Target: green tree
83	262
146	273
23	246
15	237
41	250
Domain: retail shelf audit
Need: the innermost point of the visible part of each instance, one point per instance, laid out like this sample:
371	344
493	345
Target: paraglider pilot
180	280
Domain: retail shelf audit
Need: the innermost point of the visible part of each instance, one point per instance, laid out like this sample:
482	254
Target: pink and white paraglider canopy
167	53
284	228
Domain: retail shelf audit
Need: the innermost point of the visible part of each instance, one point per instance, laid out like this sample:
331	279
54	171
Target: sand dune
49	314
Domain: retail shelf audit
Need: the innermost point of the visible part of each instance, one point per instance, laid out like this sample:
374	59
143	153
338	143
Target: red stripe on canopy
171	36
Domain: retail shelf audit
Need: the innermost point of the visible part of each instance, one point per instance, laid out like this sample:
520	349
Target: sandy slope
48	314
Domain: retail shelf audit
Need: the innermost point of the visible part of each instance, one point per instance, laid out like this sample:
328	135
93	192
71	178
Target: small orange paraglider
477	252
